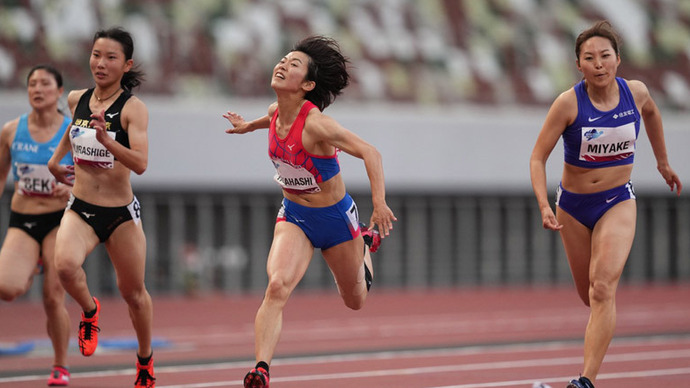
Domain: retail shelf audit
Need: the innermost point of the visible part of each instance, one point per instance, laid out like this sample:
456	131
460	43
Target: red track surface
485	337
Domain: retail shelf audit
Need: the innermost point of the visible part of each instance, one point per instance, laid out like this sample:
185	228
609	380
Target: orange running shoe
59	377
145	377
256	378
88	331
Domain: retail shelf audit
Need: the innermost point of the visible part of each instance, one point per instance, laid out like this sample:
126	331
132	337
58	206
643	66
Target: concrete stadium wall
457	178
454	149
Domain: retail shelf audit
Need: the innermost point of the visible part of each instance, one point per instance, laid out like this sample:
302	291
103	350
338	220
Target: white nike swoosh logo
609	200
593	119
111	115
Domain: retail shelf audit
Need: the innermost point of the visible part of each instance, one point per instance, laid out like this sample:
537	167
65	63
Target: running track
457	338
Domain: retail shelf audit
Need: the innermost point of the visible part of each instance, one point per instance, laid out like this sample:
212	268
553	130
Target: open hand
239	125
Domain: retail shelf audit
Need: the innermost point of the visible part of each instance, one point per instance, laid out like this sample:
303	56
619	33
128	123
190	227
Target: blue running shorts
326	226
589	208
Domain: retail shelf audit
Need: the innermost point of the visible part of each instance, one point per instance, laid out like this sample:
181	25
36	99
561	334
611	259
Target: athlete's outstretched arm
239	125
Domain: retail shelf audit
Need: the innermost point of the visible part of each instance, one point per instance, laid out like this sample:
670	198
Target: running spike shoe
145	377
88	331
256	378
582	382
59	377
371	237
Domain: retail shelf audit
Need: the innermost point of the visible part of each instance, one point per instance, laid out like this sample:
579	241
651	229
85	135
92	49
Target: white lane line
565	379
655	355
389	355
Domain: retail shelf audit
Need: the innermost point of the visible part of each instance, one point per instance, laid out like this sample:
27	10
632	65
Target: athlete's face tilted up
290	74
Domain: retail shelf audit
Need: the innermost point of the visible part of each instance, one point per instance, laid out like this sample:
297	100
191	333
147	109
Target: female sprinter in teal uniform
108	140
599	119
38	202
317	211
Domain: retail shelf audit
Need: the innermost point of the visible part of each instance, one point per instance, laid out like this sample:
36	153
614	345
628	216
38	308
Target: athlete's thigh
345	261
577	242
75	239
18	258
290	254
612	240
126	247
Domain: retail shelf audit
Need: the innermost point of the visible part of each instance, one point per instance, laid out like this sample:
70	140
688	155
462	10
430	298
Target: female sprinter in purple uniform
599	120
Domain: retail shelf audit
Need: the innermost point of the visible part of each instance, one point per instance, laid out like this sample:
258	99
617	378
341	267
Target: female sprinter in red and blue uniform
317	211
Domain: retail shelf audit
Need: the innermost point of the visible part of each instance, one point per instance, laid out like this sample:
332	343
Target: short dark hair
134	76
50	69
603	29
327	68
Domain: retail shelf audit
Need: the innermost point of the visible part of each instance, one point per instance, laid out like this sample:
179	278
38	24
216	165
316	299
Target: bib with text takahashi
294	177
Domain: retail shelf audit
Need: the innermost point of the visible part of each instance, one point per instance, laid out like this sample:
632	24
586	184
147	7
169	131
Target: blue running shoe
582	382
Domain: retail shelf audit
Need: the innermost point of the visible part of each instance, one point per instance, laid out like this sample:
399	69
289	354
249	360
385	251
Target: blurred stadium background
452	92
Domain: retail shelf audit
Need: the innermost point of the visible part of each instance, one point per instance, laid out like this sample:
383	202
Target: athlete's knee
355	302
53	303
277	289
135	297
10	292
601	291
354	297
66	270
53	298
